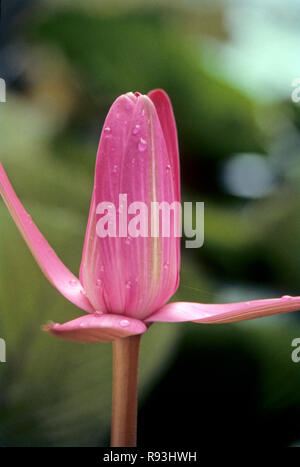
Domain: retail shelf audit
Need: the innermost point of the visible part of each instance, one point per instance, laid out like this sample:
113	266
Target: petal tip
48	326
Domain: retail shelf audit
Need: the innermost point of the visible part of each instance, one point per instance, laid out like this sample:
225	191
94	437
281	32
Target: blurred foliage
109	47
65	65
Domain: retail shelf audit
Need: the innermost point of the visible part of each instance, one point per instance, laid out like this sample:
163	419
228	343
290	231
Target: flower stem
125	391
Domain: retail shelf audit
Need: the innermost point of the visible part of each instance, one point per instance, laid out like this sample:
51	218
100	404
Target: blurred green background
228	67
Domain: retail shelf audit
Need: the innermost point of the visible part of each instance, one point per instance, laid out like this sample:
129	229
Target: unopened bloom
125	280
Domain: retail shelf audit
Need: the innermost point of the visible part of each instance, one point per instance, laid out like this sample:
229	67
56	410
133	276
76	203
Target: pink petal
93	328
55	271
90	269
131	275
226	313
166	117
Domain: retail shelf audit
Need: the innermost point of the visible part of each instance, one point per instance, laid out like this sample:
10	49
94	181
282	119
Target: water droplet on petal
124	323
98	313
83	292
168	168
98	282
102	268
29	219
128	284
128	240
115	169
107	130
73	282
205	314
136	129
286	297
142	145
166	265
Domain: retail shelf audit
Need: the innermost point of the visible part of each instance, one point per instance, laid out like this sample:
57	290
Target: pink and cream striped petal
224	313
94	328
166	117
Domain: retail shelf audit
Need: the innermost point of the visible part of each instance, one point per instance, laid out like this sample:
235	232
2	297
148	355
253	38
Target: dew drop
115	169
107	130
73	282
142	145
136	129
98	313
83	292
286	297
29	219
98	282
168	168
128	284
124	323
166	265
102	268
204	314
128	240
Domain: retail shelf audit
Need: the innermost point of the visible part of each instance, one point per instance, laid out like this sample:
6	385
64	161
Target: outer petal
55	271
90	268
226	313
166	117
93	328
132	275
